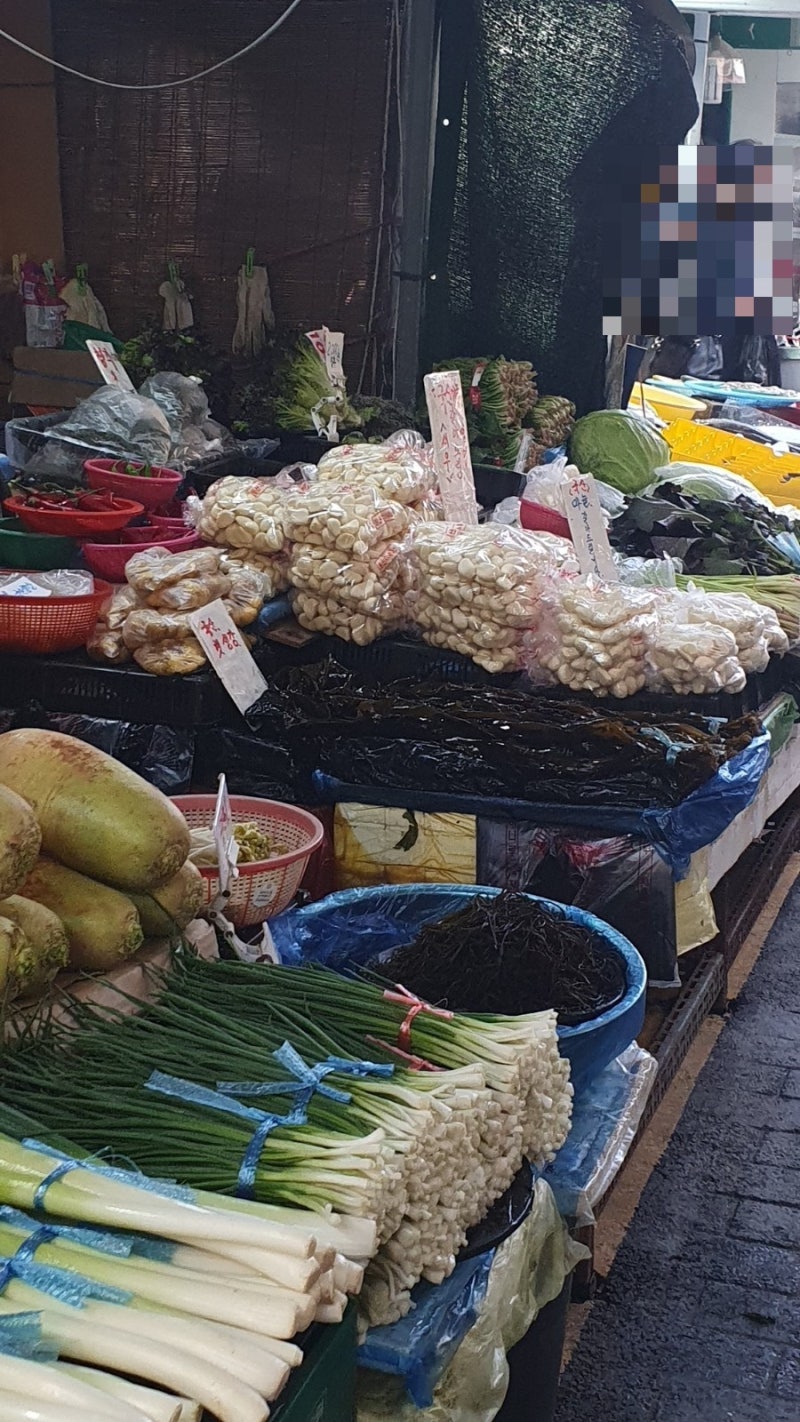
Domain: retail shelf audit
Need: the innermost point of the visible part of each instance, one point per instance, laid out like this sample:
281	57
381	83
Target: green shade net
559	94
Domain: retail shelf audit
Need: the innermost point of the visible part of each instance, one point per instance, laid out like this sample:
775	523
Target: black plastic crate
493	485
723	705
398	658
71	682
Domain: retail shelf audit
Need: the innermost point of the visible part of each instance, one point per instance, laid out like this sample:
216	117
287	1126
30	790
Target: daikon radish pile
95	815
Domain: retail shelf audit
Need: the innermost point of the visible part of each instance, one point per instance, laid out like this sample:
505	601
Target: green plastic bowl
35	551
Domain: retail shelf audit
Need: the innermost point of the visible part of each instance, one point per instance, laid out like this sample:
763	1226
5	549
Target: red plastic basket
153	491
49	624
267	887
82	522
538	519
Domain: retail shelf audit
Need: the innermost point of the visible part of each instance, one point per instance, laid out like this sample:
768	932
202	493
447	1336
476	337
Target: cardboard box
52	379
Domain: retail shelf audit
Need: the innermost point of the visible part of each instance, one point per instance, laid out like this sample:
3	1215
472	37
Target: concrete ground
699	1317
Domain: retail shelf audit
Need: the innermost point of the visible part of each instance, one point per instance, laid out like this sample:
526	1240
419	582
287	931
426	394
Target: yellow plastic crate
698	444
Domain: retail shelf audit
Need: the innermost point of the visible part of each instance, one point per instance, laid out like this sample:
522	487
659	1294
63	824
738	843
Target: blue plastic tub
348	929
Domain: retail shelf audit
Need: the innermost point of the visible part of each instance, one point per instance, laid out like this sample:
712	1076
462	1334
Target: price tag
23	587
588	529
222	828
109	364
318	340
334	358
451	446
222	643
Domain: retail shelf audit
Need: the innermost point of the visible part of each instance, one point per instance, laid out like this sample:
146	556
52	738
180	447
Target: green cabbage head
618	448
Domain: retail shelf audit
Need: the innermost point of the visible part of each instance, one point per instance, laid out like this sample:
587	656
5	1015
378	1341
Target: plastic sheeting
527	1273
701	818
676	833
605	1118
162	755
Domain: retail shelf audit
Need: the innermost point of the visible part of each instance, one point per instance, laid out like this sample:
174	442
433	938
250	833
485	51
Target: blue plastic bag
421	1345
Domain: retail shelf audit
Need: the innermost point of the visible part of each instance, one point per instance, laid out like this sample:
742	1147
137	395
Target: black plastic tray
505	1216
71	682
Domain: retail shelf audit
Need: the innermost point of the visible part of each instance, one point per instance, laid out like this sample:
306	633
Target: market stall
576	693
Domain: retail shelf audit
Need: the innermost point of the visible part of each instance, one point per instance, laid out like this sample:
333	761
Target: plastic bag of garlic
592	637
246	516
348	564
402	469
477	590
704	643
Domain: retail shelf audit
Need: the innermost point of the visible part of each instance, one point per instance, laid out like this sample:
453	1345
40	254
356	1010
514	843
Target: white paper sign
226	846
451	446
222	643
109	364
24	587
588	529
334	358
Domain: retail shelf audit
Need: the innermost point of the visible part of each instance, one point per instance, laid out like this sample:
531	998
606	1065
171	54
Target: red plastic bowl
173	523
153	533
81	522
152	492
537	519
109	560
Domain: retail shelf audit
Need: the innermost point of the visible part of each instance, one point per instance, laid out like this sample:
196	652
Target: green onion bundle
423	1153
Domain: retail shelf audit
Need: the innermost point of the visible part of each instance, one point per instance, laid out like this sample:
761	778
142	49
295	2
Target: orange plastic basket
268	886
49	624
700	445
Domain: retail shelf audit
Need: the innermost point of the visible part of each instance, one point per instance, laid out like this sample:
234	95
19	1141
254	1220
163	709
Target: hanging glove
83	306
255	314
178	313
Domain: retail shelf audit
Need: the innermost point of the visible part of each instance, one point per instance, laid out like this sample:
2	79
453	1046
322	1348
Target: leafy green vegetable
619	448
709	536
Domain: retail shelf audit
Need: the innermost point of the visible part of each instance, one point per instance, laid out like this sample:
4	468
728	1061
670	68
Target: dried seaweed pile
490	741
508	954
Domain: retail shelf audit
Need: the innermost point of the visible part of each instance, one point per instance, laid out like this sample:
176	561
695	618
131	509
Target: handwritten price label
588	529
226	846
109	364
222	643
451	446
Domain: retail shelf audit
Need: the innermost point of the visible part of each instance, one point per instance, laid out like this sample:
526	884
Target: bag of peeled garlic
592	637
477	590
398	470
246	517
705	643
347	561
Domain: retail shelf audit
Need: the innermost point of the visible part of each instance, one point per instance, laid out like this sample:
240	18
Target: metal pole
419	89
702	36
